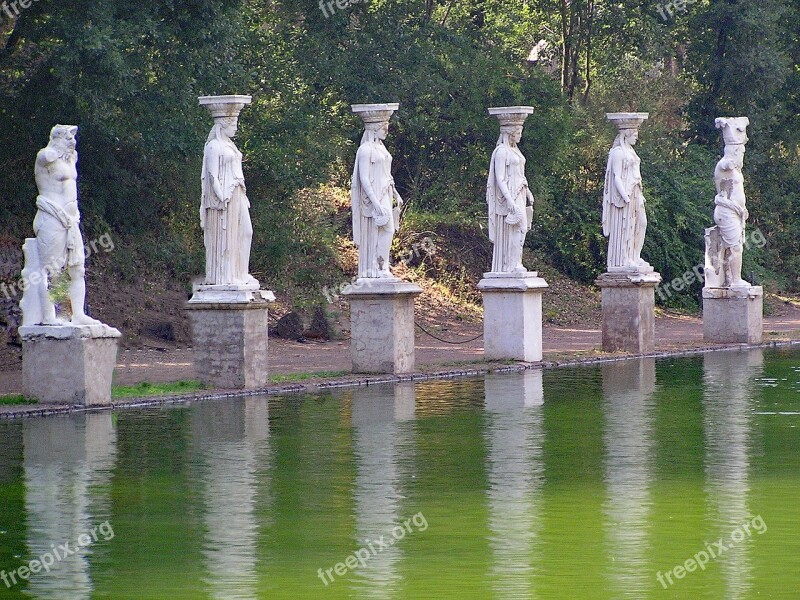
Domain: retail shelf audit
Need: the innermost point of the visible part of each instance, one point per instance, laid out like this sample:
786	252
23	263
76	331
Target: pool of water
637	479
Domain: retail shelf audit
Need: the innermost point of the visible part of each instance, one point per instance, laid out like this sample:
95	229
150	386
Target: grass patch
15	399
155	389
292	377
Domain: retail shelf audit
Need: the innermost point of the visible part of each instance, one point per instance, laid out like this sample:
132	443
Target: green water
568	483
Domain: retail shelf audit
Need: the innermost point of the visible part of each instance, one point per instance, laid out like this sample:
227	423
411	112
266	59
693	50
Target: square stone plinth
66	364
229	342
733	315
512	316
382	325
629	311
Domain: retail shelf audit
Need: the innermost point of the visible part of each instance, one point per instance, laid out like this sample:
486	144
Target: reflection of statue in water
725	242
624	217
507	194
373	194
225	209
58	245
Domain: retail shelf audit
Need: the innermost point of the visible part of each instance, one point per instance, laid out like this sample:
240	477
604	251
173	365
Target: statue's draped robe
507	236
365	225
620	217
223	219
729	215
58	236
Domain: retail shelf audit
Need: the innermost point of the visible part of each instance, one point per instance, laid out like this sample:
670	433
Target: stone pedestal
733	315
512	315
66	364
229	294
382	325
229	338
629	311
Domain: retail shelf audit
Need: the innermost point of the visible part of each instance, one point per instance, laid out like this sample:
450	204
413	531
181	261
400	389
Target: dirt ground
156	337
156	361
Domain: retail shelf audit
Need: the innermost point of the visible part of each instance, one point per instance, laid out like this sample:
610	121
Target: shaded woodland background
129	73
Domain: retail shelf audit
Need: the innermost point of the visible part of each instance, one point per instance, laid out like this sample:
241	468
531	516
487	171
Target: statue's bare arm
46	157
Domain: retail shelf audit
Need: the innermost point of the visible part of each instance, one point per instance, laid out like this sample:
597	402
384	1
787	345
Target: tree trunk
565	45
588	65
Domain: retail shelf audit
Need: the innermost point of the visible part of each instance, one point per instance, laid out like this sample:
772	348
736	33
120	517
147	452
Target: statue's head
62	138
513	132
378	129
627	124
228	125
631	136
511	119
376	119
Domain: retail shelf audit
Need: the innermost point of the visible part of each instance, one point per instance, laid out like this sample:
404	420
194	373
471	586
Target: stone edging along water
33	410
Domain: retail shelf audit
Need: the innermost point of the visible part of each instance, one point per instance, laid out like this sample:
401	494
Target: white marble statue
224	208
725	242
509	200
58	245
624	217
375	201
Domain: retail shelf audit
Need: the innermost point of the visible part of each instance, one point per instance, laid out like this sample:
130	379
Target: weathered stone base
629	311
733	316
382	325
227	294
66	364
229	342
512	316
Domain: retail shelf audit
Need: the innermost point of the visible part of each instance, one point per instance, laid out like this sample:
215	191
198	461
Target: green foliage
59	290
738	62
129	73
293	377
680	196
16	399
146	389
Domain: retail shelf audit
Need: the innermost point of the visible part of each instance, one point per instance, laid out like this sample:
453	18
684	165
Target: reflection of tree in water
728	379
628	387
68	468
231	439
380	442
514	438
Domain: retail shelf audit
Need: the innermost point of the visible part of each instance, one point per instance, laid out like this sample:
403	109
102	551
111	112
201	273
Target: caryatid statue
375	201
224	207
624	217
726	244
509	200
58	245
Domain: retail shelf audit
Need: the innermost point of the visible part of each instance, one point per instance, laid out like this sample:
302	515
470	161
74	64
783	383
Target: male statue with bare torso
58	245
